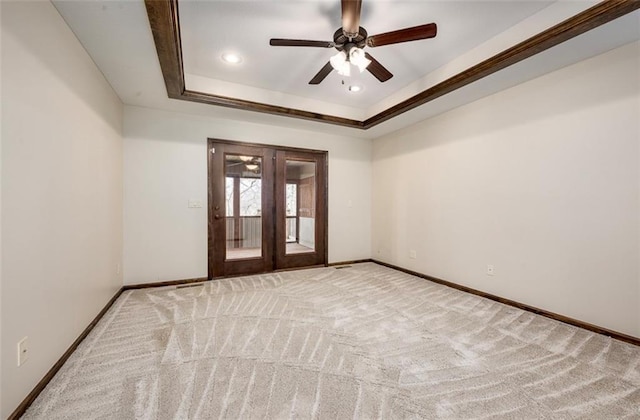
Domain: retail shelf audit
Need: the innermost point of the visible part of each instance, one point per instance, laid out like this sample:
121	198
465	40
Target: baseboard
567	320
164	283
333	264
26	403
203	279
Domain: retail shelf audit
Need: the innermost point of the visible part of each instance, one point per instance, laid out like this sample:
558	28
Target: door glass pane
243	207
300	204
228	195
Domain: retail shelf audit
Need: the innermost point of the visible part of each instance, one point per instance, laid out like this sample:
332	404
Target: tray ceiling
118	37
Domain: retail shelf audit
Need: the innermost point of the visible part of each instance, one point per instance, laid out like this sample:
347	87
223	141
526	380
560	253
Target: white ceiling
117	36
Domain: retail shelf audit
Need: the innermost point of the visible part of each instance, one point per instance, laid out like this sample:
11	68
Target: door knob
217	216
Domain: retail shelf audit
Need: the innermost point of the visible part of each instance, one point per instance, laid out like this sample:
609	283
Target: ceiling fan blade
377	69
403	35
324	72
351	17
279	42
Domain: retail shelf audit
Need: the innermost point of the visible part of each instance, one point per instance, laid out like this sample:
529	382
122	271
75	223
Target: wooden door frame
210	196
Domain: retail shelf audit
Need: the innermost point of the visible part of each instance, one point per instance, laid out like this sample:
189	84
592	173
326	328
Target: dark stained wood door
301	204
267	208
241	225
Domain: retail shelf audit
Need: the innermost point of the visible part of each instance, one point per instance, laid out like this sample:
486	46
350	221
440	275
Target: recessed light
355	88
231	58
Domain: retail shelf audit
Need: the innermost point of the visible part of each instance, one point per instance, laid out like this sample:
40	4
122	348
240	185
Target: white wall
61	190
165	165
541	180
1	106
307	234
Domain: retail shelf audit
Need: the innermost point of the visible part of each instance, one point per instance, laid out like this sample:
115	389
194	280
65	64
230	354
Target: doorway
267	208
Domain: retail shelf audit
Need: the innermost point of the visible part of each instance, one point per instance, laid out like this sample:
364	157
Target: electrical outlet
490	270
412	254
23	351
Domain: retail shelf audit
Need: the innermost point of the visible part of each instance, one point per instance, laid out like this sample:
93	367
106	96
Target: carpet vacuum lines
364	341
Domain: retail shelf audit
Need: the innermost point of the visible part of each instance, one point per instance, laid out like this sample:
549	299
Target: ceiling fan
251	163
350	41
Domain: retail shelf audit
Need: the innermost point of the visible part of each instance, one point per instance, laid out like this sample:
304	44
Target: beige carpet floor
362	342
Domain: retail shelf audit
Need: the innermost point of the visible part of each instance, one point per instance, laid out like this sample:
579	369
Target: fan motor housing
341	40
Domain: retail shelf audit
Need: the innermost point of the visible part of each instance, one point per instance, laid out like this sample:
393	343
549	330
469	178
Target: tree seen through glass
292	199
250	196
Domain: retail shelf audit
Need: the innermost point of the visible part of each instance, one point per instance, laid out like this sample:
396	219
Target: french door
267	208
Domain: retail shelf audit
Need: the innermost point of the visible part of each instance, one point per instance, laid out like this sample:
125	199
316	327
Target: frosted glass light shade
340	64
357	58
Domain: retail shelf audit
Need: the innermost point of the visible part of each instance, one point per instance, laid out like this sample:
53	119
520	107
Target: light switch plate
195	204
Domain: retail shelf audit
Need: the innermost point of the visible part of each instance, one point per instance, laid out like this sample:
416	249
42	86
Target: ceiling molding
208	98
165	26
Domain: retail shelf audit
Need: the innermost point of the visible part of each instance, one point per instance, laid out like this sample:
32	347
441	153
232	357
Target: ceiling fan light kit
340	63
350	41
